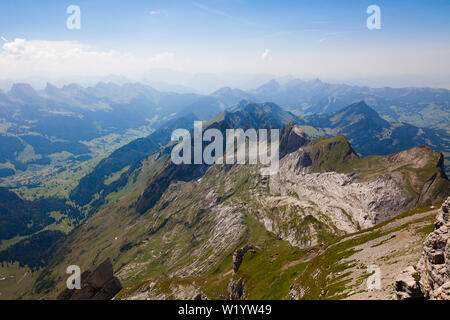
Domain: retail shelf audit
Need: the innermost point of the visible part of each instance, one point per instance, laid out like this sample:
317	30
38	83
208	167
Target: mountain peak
228	92
250	106
355	113
22	87
50	88
224	90
292	137
361	106
272	85
241	105
24	92
252	114
107	85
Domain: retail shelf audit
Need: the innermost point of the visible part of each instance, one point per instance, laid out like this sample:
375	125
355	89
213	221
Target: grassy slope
15	281
335	258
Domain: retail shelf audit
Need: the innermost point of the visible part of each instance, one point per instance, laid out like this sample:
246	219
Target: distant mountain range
423	107
365	129
60	119
370	134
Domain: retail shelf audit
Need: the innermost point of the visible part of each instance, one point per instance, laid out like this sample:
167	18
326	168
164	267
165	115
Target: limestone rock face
291	138
434	266
100	284
348	202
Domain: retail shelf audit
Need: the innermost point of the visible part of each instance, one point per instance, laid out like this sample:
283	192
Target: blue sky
320	37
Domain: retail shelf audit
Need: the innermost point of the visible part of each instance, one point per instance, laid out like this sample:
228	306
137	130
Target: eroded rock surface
432	278
434	266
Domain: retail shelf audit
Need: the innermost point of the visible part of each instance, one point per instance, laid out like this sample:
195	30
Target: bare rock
443	292
304	160
296	292
407	285
201	297
101	275
108	290
236	289
291	138
434	265
100	284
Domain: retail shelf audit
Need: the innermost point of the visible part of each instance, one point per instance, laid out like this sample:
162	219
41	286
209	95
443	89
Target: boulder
407	285
100	284
201	297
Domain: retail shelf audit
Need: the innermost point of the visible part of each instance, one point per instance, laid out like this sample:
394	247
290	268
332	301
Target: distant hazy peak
50	86
228	91
24	92
21	87
271	85
107	85
51	89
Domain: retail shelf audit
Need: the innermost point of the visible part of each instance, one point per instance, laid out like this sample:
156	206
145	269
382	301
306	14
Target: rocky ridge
434	266
431	277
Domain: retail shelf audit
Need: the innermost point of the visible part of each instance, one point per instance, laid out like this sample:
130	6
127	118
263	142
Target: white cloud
267	55
153	12
24	58
21	59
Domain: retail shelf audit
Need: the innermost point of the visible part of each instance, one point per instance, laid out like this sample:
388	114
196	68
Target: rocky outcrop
238	256
291	138
97	285
296	292
236	289
407	285
432	278
434	266
436	186
201	297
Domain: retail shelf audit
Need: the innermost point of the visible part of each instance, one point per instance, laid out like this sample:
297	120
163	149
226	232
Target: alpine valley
87	179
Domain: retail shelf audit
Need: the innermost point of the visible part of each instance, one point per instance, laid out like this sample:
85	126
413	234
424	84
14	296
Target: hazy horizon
196	83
